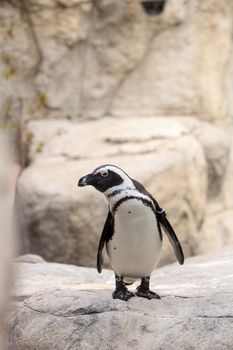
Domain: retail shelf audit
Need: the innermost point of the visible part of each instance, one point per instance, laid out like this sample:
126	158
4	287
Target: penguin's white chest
134	249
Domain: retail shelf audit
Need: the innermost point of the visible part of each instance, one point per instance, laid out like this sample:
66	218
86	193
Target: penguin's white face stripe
102	171
127	182
125	189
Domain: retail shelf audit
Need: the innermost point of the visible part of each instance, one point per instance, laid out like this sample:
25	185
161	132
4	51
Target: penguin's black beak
86	180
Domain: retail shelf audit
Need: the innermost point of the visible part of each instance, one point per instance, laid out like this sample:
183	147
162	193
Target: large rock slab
63	223
65	307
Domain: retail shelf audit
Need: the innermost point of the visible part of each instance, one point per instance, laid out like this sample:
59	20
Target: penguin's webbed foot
122	294
146	293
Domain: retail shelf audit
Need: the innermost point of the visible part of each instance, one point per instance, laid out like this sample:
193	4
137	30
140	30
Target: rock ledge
65	307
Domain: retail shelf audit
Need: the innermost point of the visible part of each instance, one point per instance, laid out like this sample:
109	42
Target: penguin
132	232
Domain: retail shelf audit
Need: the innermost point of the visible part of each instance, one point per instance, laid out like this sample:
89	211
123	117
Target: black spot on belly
129	212
114	248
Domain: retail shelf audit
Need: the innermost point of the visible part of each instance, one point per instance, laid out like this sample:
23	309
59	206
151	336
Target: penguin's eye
104	173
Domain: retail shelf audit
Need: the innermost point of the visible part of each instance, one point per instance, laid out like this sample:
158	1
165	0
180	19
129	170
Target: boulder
217	229
56	306
216	143
63	223
228	181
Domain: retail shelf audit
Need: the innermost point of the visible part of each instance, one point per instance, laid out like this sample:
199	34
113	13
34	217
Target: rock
216	144
57	217
124	61
228	182
86	61
59	306
58	140
8	176
29	258
217	230
63	223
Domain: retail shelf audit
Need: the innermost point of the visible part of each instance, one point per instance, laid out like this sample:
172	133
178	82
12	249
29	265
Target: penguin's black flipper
105	237
161	216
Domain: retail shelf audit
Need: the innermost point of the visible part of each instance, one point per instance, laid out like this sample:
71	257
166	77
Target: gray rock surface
61	307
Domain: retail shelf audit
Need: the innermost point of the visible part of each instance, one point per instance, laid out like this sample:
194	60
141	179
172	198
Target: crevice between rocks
138	313
122	141
26	13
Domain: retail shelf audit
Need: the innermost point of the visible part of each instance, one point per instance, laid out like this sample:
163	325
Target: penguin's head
105	177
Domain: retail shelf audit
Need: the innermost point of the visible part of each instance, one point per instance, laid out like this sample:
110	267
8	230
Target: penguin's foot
122	294
146	293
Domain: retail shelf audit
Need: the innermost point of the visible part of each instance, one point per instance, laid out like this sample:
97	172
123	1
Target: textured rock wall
107	82
85	59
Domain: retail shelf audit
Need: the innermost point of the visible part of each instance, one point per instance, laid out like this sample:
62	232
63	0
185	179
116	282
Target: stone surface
57	306
8	175
63	223
216	144
228	181
217	230
89	59
29	258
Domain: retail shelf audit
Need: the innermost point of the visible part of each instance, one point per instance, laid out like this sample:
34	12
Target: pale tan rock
59	306
85	60
228	182
88	59
214	29
177	161
216	143
64	223
8	175
57	140
217	231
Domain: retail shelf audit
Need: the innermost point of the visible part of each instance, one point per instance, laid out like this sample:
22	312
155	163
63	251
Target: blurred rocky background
148	86
145	85
8	175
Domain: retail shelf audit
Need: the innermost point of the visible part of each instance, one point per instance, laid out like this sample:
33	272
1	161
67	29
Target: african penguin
132	231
